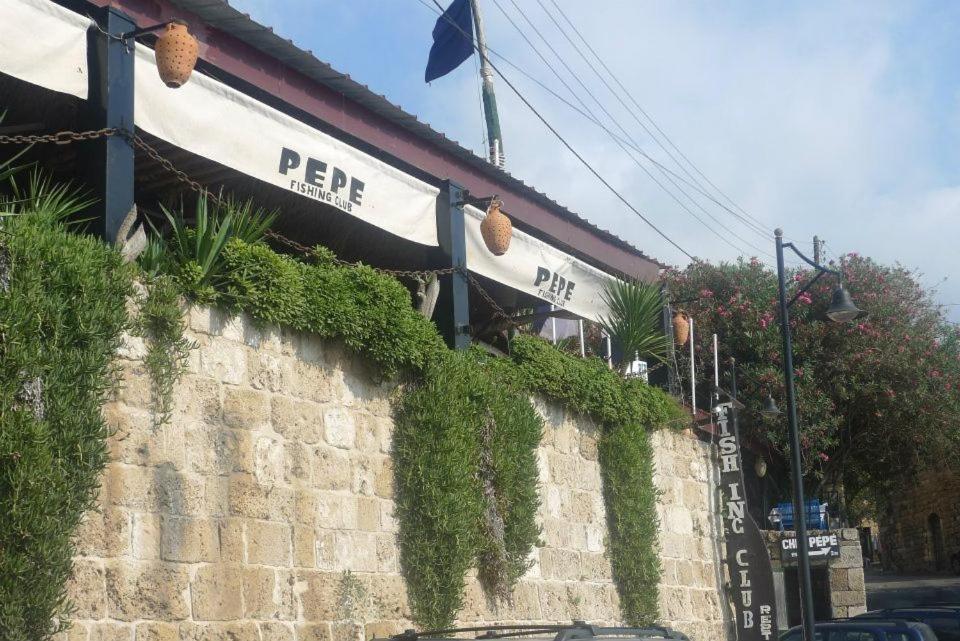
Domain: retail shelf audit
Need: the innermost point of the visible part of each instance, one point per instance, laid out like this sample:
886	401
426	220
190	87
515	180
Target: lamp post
841	309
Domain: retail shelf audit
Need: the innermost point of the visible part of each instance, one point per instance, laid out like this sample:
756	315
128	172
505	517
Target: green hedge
627	410
456	427
369	311
62	312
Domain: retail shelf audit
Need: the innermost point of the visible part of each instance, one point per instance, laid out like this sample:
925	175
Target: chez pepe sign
751	576
821	546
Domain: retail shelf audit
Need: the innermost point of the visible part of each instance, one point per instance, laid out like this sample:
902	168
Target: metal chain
67	137
61	137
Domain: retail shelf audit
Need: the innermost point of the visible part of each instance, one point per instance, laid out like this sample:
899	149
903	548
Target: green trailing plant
161	324
62	313
627	410
466	478
369	311
635	321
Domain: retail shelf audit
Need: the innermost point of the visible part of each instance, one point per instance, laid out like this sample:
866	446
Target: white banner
534	267
210	119
44	44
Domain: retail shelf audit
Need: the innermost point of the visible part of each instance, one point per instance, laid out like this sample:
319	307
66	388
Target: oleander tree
878	399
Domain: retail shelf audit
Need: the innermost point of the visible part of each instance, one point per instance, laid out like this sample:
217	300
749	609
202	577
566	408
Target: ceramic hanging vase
496	229
176	54
681	328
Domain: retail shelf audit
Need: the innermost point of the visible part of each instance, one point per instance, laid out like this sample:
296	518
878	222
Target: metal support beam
453	304
111	104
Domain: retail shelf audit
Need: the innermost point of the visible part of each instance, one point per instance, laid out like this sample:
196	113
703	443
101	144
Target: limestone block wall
263	511
922	532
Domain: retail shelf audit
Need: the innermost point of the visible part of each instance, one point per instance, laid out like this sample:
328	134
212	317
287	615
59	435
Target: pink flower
706	293
824	457
805	298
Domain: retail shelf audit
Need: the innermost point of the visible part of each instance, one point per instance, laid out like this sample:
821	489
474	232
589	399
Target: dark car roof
577	631
925	631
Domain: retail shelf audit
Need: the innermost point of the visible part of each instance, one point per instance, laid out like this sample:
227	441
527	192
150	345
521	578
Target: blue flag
452	40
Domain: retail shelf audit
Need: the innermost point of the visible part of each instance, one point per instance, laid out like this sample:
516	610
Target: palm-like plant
217	221
635	318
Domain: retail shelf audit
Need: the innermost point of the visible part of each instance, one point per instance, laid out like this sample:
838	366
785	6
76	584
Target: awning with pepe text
534	267
215	121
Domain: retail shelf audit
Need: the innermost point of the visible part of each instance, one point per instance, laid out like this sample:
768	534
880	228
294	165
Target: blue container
816	515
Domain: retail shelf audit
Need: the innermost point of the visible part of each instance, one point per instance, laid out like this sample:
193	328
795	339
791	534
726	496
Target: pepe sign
553	287
319	180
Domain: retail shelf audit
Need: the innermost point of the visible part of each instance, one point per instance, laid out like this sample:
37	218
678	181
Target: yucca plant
197	248
634	322
45	200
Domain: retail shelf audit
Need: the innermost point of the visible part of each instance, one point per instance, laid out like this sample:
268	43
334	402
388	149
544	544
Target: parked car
944	619
577	631
866	630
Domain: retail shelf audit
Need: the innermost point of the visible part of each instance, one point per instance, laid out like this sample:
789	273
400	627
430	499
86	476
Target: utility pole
817	244
494	139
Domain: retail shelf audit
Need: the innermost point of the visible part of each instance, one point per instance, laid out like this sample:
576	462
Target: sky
836	119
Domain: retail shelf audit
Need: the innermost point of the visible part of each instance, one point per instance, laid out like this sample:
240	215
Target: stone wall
263	511
922	532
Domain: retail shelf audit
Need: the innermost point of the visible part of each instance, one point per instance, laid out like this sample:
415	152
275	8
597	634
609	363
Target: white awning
210	119
534	267
44	44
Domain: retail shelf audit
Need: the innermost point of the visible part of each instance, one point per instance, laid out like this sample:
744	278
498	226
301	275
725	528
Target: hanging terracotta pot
681	328
496	229
176	52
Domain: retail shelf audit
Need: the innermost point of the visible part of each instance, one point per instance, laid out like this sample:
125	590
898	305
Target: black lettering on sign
289	159
338	180
542	275
314	175
314	172
356	191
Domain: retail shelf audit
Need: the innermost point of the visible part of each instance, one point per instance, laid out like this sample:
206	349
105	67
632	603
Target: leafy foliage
626	463
877	399
635	319
439	451
62	313
627	409
197	249
589	387
43	199
161	323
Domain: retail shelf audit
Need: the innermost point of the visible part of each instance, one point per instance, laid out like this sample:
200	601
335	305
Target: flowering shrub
877	398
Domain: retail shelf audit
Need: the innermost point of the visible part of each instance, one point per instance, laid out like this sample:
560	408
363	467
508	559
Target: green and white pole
490	114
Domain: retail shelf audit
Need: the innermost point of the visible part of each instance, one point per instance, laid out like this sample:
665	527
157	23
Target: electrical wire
617	124
591	118
752	226
659	130
565	143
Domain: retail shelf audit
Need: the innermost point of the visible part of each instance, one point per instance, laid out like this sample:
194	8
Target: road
892	591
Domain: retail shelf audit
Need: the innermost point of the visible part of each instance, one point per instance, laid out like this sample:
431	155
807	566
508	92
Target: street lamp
841	309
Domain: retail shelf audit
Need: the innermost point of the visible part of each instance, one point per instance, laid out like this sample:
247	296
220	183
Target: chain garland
68	137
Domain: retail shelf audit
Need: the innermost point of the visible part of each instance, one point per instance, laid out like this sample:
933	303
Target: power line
757	229
590	117
566	144
652	121
617	124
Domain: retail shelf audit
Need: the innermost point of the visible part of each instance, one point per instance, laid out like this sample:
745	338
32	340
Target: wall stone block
240	520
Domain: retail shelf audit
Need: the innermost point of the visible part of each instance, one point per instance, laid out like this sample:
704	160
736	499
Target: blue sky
834	118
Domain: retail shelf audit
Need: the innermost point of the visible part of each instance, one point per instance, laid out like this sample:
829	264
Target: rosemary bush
62	312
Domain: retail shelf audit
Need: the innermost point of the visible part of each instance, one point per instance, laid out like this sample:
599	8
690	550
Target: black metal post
796	470
453	304
111	99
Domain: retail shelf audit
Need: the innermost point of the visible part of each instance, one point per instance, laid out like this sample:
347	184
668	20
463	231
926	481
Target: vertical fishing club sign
751	576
